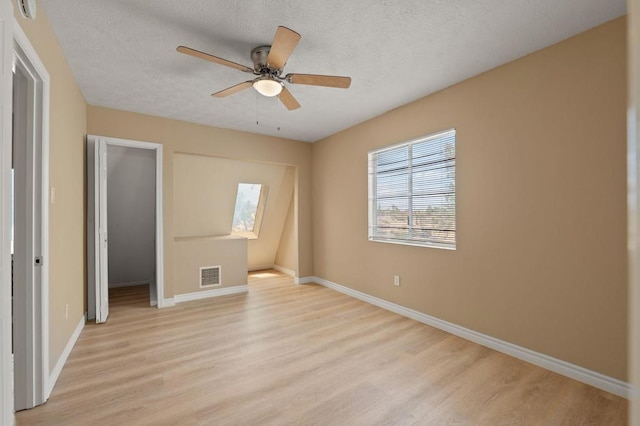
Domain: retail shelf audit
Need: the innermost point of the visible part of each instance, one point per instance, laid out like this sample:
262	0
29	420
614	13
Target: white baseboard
166	303
53	377
306	280
130	284
284	270
595	379
187	297
260	268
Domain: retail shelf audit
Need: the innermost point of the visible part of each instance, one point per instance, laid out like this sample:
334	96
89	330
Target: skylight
247	215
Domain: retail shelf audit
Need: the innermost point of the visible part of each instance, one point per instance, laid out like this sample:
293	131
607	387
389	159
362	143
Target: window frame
373	198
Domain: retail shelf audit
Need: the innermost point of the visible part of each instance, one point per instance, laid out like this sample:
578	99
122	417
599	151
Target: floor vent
210	276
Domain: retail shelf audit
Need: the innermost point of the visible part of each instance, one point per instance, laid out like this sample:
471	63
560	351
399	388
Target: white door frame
13	40
29	266
34	385
6	88
633	179
92	144
37	303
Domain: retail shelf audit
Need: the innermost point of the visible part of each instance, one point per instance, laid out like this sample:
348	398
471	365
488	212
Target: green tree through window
247	201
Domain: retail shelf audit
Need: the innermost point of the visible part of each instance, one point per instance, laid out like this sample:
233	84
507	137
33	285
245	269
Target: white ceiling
123	55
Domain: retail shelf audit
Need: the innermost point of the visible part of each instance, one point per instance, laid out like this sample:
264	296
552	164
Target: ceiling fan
268	62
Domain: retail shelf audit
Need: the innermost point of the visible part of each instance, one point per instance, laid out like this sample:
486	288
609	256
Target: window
412	192
247	216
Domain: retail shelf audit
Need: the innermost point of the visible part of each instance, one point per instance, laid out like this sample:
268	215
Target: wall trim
167	303
308	280
284	270
53	378
261	267
581	374
197	295
130	284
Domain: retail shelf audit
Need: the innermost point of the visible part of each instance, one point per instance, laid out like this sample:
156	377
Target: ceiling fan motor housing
27	8
259	57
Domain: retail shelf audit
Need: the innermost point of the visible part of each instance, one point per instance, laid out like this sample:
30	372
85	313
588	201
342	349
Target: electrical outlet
66	312
396	280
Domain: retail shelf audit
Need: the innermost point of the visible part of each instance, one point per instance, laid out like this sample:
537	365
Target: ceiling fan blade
233	89
288	100
282	45
320	80
206	56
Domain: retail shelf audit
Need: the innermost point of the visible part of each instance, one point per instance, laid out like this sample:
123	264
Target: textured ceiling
123	55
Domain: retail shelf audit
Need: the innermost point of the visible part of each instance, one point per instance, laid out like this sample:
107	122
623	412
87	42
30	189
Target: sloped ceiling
123	55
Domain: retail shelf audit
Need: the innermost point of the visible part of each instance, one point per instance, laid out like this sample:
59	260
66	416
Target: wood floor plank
289	354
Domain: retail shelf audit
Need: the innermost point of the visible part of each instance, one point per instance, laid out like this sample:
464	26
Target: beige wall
541	207
205	191
187	138
263	250
191	254
67	268
287	255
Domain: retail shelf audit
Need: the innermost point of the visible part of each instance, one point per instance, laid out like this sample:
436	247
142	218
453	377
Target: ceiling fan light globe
268	87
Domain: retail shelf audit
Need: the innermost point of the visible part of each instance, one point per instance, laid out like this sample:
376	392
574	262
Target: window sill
247	235
414	244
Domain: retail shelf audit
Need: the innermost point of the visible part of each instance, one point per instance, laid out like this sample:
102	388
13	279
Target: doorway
124	220
29	226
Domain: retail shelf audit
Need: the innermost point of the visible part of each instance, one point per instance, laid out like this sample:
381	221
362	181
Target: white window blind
412	192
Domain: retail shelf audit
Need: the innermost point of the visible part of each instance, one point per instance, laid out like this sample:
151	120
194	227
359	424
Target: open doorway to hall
124	222
131	229
131	222
127	299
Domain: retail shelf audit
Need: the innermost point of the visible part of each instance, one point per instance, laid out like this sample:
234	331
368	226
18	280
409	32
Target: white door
101	240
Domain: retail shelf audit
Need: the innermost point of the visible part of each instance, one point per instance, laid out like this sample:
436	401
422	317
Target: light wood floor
285	354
